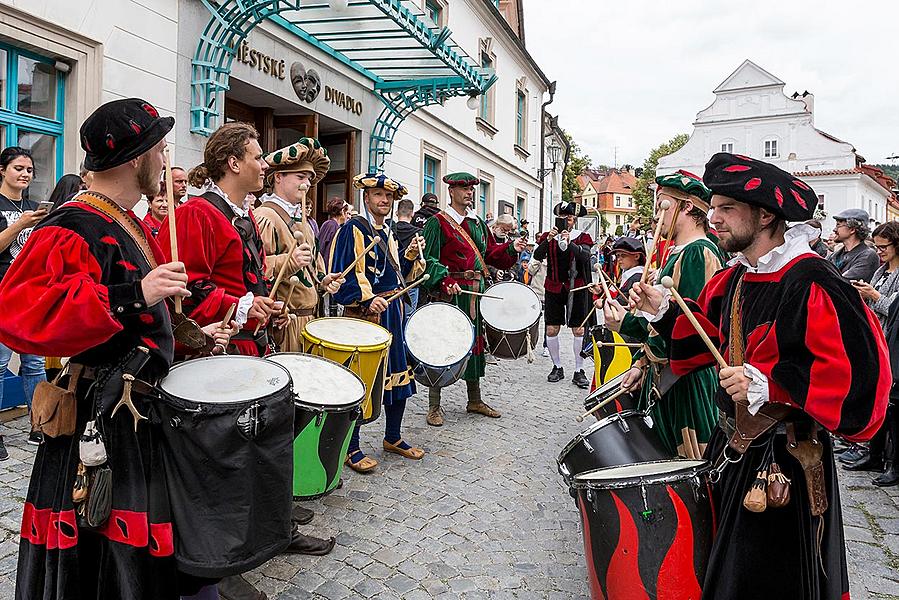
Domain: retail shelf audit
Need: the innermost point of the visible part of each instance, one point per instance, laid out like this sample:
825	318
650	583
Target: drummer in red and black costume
93	294
567	255
220	244
807	355
364	295
453	265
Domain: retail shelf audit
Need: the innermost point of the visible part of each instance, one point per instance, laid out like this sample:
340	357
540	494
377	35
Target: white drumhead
439	334
320	382
662	467
224	379
518	309
348	332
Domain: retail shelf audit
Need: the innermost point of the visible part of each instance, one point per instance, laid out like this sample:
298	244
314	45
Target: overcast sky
633	74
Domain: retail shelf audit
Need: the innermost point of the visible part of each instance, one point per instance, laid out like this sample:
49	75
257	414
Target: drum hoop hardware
586	443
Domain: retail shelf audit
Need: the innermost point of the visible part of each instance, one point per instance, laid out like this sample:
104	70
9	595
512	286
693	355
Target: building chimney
809	99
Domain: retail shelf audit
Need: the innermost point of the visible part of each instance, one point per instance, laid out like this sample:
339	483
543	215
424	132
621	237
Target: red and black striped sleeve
825	354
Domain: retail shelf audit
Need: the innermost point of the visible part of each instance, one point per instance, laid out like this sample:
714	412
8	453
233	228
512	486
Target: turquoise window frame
14	121
484	110
520	204
519	118
483	193
429	176
433	10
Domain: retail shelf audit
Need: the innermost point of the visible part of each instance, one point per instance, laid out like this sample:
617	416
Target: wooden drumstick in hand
294	281
412	285
170	202
664	205
668	283
304	188
297	237
421	252
614	396
219	349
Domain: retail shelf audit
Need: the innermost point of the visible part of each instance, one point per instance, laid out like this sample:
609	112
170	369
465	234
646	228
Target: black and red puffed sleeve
52	299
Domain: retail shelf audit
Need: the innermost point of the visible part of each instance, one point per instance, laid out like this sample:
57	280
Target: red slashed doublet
217	261
823	353
75	291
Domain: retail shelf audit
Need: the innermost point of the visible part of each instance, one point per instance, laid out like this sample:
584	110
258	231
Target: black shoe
306	544
35	438
888	478
580	379
866	463
854	455
238	588
3	453
557	374
300	515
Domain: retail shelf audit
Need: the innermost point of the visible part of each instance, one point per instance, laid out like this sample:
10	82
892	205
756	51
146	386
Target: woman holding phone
18	216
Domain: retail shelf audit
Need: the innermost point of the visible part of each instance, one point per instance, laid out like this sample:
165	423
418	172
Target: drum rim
596	426
527	287
474	337
700	466
345	347
328	407
196	361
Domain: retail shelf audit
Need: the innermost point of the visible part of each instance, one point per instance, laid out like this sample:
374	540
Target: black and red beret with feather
760	184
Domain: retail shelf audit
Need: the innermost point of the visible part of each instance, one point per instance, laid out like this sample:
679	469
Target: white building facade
325	70
752	116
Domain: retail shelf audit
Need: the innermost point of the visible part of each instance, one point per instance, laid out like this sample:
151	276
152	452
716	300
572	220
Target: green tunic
686	415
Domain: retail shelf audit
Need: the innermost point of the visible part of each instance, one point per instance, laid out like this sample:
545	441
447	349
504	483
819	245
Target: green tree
577	163
643	196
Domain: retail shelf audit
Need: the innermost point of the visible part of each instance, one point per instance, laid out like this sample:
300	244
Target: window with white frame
617	201
727	147
771	149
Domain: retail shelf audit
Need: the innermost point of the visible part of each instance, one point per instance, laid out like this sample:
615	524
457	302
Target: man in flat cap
94	292
566	251
459	251
856	261
807	357
630	254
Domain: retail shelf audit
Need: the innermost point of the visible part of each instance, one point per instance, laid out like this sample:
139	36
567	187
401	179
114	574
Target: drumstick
664	205
617	344
622	391
170	201
220	349
374	241
421	252
412	285
294	281
297	236
668	283
664	259
470	293
304	187
587	318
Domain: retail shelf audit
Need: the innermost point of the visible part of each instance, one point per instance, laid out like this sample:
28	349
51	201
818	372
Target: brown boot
435	413
475	404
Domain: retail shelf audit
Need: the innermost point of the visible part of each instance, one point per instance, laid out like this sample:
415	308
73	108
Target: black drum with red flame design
648	529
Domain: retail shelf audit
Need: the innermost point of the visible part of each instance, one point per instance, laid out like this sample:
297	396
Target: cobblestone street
483	515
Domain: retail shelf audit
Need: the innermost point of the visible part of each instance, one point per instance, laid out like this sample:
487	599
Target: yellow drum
361	347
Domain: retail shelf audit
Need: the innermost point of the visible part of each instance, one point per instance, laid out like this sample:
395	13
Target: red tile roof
616	182
873	172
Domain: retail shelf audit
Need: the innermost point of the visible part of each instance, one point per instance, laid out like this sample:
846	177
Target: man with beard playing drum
459	250
806	356
370	293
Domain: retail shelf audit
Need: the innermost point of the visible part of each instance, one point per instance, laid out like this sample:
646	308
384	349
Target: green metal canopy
412	62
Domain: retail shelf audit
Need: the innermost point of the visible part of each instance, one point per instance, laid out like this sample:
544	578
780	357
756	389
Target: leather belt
470	274
246	335
302	312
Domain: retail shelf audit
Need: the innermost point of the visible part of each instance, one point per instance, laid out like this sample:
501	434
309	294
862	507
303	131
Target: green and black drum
327	401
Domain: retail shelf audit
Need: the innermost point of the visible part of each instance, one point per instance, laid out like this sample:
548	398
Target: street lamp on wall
555	156
473	102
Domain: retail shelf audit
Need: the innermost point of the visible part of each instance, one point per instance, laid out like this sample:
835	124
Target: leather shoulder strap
461	231
281	213
114	212
385	248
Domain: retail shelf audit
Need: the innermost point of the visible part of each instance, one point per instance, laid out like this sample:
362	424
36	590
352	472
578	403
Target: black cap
628	244
120	131
570	208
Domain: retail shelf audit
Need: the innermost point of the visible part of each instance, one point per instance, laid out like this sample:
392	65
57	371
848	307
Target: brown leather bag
53	408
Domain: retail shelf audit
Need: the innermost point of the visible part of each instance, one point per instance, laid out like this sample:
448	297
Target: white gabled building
751	115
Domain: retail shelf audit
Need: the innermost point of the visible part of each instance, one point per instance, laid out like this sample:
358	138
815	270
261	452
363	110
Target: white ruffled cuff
243	307
663	307
758	388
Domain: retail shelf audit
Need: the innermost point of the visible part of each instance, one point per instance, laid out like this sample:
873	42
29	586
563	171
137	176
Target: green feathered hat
685	183
380	180
461	179
305	155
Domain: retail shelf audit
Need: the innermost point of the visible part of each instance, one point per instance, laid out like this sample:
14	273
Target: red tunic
558	262
213	254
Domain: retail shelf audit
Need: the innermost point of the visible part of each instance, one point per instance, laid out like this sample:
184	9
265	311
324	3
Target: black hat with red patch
120	131
760	184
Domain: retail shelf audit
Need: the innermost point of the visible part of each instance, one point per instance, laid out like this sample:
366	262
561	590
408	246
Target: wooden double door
278	131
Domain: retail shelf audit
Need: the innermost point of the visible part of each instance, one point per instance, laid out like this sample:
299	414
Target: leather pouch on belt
53	408
808	452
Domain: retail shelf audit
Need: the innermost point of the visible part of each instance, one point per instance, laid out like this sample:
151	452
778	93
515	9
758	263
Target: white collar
795	244
469	214
631	272
293	210
241	211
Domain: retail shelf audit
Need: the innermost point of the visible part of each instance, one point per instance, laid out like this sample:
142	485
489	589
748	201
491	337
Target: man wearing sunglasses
855	261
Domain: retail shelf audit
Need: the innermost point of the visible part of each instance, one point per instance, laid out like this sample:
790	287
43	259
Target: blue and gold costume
377	276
